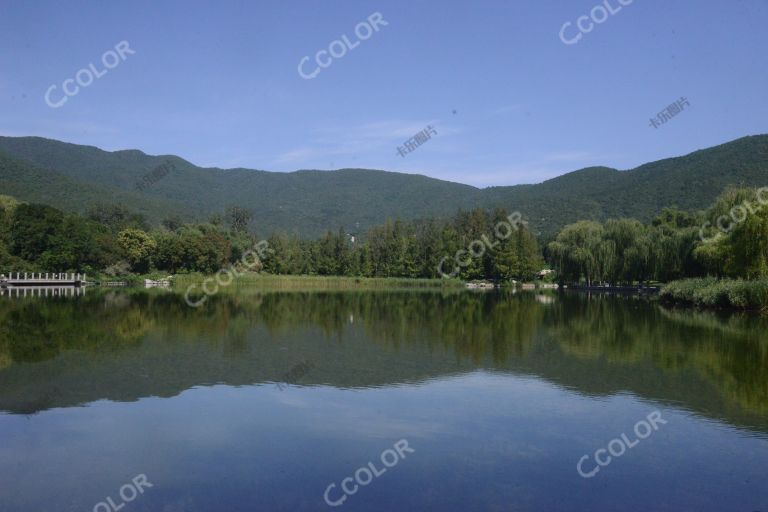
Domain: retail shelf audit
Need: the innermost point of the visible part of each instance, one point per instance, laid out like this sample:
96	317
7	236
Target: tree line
413	249
730	239
111	240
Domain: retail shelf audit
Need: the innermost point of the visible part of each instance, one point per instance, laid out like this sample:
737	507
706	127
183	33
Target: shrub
710	292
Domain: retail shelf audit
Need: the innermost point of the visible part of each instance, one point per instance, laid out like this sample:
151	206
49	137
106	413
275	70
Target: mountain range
73	177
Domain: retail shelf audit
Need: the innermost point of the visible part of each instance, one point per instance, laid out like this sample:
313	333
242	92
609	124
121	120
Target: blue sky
218	84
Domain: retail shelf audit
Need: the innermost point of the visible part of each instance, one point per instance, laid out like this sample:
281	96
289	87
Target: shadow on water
125	345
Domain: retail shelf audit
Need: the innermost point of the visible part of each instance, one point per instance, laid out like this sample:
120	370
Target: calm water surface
258	402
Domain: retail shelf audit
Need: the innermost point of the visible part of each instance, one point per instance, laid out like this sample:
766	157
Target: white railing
41	279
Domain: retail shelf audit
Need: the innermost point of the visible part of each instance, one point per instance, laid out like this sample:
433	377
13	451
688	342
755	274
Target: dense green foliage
412	249
617	241
73	177
675	245
48	186
40	237
717	258
741	249
113	240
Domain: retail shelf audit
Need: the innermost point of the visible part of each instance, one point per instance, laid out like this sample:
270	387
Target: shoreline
311	283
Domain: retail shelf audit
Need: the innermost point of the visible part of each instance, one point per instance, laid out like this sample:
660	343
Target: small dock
41	280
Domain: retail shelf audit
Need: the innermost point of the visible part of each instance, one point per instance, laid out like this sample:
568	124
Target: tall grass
718	293
308	283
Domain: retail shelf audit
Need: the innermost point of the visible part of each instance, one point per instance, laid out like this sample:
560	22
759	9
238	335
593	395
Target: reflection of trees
600	327
474	326
37	330
5	356
503	330
730	352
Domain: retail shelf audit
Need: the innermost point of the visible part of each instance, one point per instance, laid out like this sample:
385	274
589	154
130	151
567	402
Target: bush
749	294
710	292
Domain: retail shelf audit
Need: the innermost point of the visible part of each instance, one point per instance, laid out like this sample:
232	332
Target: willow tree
735	237
747	247
574	251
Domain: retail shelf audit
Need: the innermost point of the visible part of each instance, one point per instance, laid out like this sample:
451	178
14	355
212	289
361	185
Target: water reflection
123	346
22	292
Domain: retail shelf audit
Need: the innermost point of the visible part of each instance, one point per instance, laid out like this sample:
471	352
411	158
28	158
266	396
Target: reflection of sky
483	442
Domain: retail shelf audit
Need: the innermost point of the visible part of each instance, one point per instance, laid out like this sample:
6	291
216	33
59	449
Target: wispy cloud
349	141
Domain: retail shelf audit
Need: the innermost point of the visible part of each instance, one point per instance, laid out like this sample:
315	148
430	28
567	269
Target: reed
718	293
308	283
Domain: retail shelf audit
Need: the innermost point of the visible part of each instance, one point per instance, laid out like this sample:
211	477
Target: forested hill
73	177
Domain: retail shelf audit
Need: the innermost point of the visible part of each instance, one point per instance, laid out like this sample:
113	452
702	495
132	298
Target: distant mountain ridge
72	177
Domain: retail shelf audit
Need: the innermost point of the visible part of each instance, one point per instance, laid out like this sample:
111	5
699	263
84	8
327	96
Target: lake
379	401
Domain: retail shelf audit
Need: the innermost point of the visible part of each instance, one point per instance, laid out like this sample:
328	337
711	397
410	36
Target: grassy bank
718	293
309	283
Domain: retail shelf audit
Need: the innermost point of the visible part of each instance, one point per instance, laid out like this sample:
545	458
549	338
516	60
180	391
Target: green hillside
72	177
27	182
691	182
